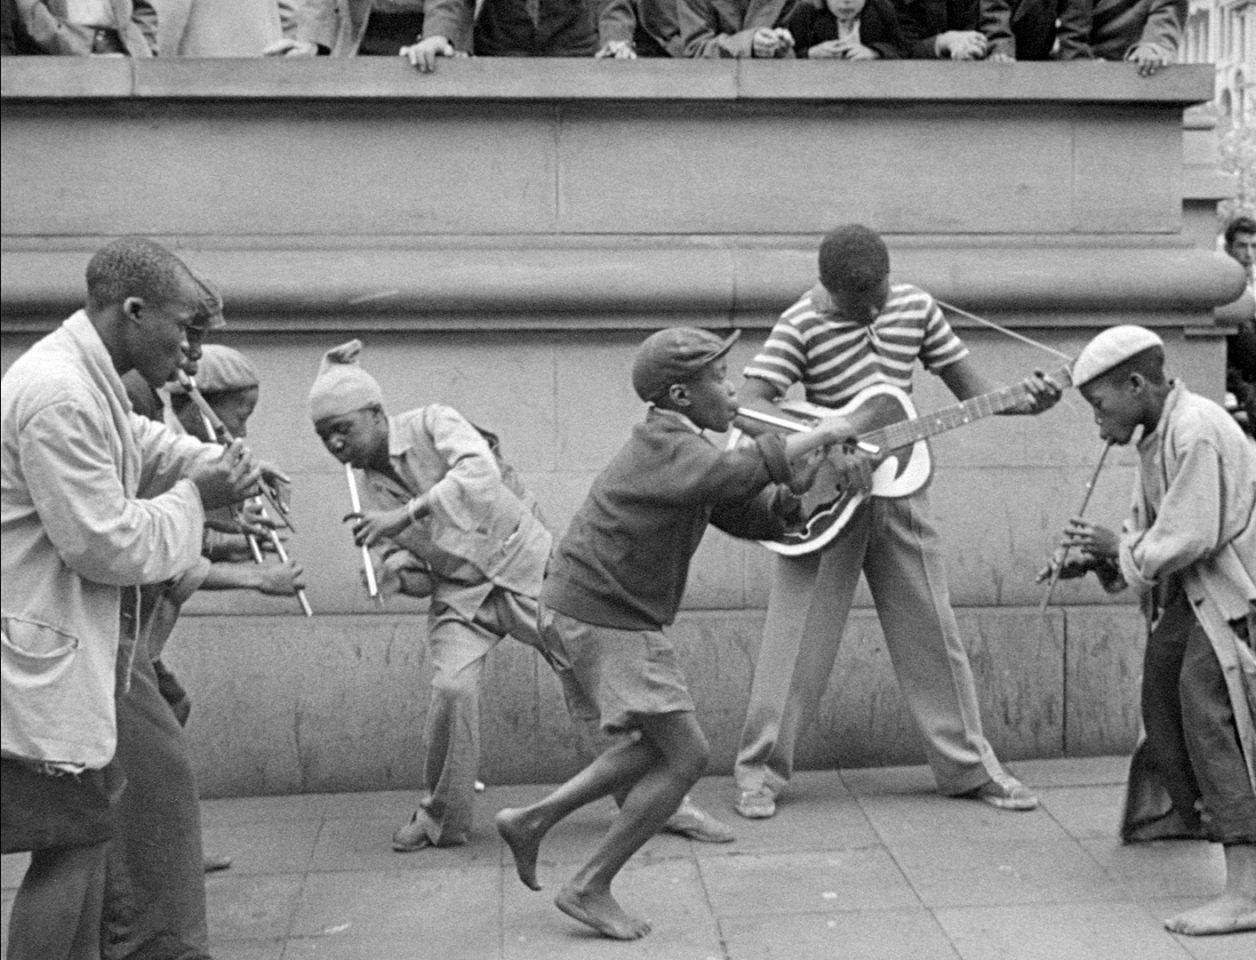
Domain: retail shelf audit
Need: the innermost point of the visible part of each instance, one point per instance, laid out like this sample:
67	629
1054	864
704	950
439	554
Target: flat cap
673	356
1110	348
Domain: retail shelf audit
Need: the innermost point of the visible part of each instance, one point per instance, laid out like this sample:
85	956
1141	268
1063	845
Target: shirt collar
677	416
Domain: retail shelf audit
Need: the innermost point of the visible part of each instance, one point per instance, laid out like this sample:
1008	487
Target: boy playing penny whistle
1189	546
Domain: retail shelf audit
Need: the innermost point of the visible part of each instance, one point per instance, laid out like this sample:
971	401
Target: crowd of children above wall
1147	32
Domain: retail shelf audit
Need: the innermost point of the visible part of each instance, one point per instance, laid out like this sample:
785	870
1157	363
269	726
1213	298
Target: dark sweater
812	23
625	558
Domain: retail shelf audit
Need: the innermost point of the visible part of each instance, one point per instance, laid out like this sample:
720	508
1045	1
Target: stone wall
501	234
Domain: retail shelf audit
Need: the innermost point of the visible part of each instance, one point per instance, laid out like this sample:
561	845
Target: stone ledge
526	282
61	78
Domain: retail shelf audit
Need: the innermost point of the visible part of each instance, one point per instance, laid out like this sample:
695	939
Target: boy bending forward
617	579
1190	545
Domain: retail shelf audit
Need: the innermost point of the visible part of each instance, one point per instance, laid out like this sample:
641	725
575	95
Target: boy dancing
452	529
616	581
1189	546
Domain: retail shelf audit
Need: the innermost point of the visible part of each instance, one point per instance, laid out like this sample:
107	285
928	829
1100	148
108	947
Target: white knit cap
1110	348
341	385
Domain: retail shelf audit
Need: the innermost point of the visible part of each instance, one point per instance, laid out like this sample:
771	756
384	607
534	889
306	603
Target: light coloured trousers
893	542
458	647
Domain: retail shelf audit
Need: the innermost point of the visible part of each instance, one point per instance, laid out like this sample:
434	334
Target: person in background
124	28
845	30
1148	33
504	28
1239	239
719	29
628	29
350	28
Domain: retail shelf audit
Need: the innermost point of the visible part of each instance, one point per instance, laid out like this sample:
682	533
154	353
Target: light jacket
44	21
1204	529
480	533
74	535
1110	29
725	28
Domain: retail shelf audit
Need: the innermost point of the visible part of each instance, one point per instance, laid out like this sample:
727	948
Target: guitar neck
906	432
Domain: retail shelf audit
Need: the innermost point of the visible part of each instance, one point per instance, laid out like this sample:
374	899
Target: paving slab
1078	931
858	864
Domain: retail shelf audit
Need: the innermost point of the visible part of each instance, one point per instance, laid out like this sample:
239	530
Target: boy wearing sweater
616	582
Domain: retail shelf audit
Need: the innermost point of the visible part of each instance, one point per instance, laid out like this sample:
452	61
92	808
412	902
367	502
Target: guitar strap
1002	329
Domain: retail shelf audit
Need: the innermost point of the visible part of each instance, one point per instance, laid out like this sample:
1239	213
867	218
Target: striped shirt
834	359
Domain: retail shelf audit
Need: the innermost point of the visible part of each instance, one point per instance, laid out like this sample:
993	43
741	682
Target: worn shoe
1005	792
693	822
412	835
756	804
213	862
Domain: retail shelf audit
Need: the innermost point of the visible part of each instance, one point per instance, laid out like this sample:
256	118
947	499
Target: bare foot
1227	914
601	912
1169	827
524	842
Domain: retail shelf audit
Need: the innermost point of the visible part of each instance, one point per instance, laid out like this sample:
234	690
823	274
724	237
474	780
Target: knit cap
341	385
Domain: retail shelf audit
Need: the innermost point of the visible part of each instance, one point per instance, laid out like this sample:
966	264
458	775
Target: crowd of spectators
1147	32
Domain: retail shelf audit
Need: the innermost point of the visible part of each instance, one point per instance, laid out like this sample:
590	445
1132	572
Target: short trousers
615	676
39	811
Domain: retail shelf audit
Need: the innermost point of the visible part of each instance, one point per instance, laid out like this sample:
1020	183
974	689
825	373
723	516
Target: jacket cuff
772	448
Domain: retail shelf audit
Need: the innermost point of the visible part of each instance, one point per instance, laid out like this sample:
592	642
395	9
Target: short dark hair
1149	363
1240	224
134	267
853	257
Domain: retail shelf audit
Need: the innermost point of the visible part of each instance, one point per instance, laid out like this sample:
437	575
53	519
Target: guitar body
898	473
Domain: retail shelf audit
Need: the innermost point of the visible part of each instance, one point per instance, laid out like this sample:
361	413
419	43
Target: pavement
857	865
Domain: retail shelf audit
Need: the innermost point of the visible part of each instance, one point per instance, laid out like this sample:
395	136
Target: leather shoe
412	835
693	822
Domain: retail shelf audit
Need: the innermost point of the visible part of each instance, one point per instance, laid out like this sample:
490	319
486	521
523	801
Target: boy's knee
456	686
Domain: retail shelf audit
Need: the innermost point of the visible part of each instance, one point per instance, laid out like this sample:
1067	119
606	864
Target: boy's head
845	10
855	270
686	370
347	408
1240	240
1121	375
230	385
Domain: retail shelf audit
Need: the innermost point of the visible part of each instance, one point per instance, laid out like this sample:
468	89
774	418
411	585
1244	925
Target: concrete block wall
502	234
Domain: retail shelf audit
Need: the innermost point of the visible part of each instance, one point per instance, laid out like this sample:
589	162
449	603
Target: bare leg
615	770
1235	910
682	754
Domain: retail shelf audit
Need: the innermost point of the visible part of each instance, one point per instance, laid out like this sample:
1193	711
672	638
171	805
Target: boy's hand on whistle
252	520
1096	542
229	478
1071	570
370	526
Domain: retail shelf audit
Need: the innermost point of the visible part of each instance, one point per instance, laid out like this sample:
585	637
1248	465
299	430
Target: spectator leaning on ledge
628	29
120	28
995	30
349	28
735	28
1147	32
504	28
845	30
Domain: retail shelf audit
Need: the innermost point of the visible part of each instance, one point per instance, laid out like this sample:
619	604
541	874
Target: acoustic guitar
886	422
